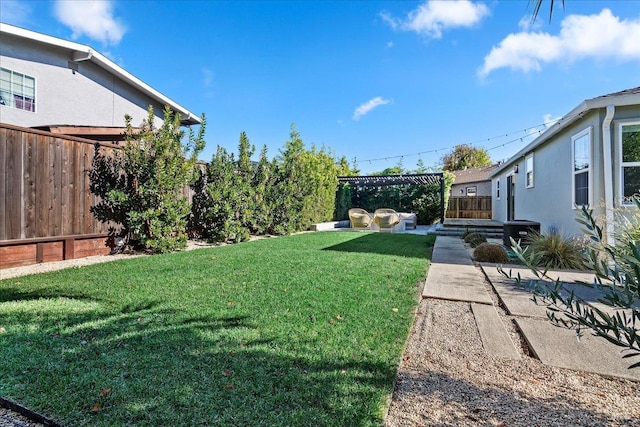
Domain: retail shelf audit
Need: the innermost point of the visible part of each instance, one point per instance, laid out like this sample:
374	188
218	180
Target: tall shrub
260	221
223	203
141	187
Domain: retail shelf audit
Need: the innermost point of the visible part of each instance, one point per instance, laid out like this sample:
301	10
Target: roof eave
568	119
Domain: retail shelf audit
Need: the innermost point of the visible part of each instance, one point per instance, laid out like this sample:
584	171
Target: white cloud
528	24
432	17
93	18
207	77
14	12
594	36
549	120
368	106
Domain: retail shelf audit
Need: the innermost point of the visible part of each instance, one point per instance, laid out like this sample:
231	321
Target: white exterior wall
483	188
90	96
550	200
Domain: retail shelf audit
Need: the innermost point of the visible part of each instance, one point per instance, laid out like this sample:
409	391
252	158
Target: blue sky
375	81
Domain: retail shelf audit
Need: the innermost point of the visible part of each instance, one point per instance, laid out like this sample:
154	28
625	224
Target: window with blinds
17	90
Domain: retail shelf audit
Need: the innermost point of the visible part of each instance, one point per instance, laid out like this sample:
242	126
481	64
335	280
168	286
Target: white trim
88	54
24	76
498	188
610	227
527	171
585	132
620	124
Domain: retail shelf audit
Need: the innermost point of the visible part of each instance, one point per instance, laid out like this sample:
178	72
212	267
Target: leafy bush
475	239
234	198
489	252
141	186
553	250
470	236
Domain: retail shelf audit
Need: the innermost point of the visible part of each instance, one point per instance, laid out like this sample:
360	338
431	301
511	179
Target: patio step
488	232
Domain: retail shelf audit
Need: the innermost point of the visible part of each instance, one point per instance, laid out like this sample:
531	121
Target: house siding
550	200
483	188
90	96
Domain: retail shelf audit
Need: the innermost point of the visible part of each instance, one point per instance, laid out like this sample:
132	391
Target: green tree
392	170
465	156
261	181
141	186
224	202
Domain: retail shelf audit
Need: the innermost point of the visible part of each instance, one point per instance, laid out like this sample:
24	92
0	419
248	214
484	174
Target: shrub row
234	198
142	187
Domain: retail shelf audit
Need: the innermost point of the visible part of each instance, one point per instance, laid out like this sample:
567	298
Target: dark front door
511	196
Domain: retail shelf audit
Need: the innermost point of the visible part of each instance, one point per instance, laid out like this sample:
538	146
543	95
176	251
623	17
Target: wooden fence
469	207
44	190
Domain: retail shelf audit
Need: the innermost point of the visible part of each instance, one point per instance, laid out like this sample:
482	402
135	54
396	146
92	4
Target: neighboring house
57	98
472	181
590	157
68	88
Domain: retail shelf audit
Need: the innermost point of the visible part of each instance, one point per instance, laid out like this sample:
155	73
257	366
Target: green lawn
292	331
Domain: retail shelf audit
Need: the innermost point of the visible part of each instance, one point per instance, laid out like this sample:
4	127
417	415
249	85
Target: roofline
82	52
568	119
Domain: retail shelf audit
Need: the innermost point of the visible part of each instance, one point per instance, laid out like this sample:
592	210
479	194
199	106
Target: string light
447	149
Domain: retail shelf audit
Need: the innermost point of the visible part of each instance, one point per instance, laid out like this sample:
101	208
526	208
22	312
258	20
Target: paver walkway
453	276
557	346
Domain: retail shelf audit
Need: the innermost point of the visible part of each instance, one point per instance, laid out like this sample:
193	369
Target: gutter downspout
608	175
78	56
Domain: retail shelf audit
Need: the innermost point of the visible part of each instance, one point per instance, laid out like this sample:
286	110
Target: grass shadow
135	369
467	403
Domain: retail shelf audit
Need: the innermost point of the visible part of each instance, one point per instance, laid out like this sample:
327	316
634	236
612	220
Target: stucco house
472	181
57	100
590	157
69	88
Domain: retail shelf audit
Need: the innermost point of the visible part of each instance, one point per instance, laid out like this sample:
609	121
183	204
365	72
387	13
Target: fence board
55	157
471	207
65	196
30	172
88	197
76	195
3	182
13	198
42	187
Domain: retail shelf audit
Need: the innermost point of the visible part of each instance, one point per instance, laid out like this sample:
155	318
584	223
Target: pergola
389	180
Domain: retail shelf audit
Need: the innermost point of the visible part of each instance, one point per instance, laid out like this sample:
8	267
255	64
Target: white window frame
12	93
474	192
498	189
528	171
621	164
586	132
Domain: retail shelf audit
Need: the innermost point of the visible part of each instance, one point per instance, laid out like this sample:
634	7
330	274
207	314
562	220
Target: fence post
442	207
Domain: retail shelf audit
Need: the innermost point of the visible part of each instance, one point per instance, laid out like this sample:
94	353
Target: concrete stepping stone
495	338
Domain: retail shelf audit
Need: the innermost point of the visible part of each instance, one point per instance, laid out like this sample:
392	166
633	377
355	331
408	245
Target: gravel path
447	379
